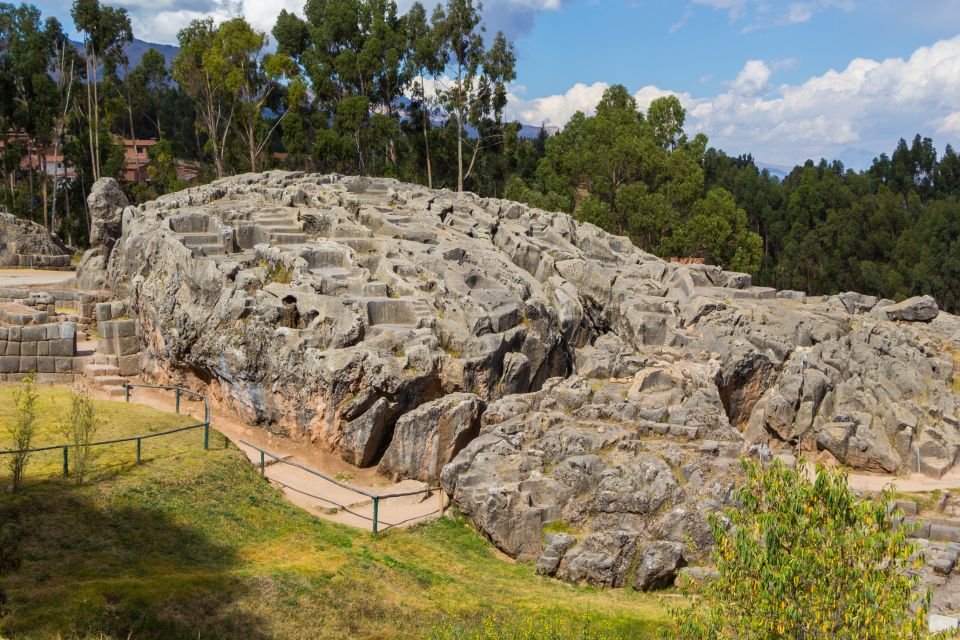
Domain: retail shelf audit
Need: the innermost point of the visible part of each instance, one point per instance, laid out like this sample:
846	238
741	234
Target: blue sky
785	80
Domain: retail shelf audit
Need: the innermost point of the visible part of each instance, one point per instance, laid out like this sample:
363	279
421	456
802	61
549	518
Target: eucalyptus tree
203	69
106	30
29	97
477	89
428	58
149	81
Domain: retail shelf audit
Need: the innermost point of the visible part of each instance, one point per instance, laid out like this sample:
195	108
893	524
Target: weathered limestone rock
919	309
106	203
572	381
429	436
27	244
657	565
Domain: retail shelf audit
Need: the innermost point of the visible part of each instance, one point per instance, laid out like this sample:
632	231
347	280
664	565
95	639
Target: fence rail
138	438
376	497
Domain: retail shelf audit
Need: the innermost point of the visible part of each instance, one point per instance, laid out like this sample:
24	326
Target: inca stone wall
554	376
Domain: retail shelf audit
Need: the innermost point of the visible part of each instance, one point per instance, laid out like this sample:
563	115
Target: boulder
429	436
106	204
657	565
917	309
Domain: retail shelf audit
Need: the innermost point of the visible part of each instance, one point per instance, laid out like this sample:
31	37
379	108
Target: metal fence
375	497
205	425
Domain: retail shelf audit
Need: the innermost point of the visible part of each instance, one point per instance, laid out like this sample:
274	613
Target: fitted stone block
9	364
28	348
45	364
3	333
14	334
68	330
13	349
105	346
63	365
28	364
62	347
43	348
33	333
129	365
125	328
127	346
53	331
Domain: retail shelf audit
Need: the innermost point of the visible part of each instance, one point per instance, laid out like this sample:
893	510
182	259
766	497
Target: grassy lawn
194	544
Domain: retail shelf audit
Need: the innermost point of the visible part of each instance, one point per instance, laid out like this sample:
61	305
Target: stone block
129	365
28	364
14	334
68	330
105	346
106	329
125	328
63	365
13	349
9	364
33	333
53	331
28	349
944	532
43	348
127	346
64	347
103	312
3	334
45	364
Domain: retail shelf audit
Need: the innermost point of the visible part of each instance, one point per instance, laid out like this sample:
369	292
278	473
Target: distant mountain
137	48
531	131
777	171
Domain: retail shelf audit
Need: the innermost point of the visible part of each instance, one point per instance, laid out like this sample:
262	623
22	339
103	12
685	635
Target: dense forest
356	87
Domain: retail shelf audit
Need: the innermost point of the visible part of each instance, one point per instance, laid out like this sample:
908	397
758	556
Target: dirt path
318	496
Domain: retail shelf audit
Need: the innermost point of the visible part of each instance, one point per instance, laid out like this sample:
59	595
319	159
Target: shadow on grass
112	568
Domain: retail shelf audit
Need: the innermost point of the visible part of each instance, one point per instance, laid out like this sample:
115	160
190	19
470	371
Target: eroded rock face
577	383
106	203
28	244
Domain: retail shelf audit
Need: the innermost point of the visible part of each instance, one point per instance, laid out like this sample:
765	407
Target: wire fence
376	498
180	391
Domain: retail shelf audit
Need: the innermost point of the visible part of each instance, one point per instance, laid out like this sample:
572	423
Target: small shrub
80	430
277	272
804	557
22	429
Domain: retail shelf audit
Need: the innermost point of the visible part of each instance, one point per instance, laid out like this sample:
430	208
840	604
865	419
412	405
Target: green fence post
138	450
178	399
126	391
206	425
66	461
263	473
376	504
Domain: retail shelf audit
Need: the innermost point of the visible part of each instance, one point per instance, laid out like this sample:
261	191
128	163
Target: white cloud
558	109
853	114
752	79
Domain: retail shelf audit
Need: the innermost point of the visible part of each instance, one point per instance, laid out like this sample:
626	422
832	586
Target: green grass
194	544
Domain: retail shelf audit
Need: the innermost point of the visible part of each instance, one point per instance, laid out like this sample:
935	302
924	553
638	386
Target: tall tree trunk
459	152
426	134
96	113
93	153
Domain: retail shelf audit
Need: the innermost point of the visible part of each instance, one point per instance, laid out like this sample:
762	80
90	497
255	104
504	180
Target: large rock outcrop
24	243
575	384
106	204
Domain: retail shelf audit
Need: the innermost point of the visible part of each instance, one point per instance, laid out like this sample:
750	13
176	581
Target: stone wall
39	348
120	337
81	303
